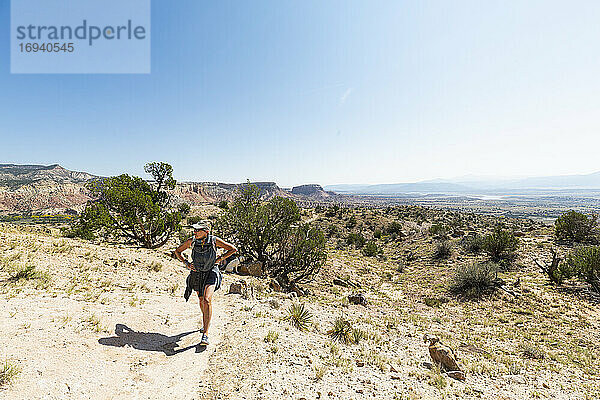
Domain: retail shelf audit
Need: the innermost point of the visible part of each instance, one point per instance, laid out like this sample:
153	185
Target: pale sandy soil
64	339
53	337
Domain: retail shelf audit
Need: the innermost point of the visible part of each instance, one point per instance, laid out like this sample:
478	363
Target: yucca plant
8	372
341	331
299	316
358	335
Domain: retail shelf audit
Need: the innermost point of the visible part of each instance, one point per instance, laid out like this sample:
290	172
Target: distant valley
581	184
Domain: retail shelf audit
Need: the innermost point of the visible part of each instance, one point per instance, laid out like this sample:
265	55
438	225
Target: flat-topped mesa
195	193
312	190
269	190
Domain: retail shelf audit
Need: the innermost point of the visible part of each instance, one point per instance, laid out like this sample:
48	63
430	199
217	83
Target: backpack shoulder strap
212	240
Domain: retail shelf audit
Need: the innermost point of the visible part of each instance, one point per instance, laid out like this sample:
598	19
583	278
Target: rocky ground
109	321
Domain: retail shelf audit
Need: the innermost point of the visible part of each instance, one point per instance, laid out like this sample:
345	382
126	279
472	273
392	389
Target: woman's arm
184	246
229	249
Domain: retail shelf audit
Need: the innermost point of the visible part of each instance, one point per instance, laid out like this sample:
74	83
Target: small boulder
274	303
253	269
239	287
340	282
358	298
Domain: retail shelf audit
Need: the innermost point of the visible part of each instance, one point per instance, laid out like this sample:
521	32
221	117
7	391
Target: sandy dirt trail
145	352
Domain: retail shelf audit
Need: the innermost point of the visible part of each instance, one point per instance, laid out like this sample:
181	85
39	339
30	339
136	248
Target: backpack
204	253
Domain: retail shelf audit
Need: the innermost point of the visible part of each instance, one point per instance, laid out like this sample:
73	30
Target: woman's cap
201	226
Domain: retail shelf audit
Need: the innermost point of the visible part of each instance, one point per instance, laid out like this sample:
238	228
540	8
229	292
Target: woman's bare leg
202	308
206	306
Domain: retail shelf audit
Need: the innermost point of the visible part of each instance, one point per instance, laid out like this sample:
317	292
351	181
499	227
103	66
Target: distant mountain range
52	187
472	185
18	174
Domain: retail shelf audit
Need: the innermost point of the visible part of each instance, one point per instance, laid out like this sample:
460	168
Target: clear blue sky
327	92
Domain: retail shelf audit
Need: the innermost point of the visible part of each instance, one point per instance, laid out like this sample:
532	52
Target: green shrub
332	230
584	262
574	226
351	222
223	205
184	209
370	249
299	316
356	239
194	219
183	235
501	245
394	229
443	250
271	232
332	211
377	234
472	244
438	230
474	280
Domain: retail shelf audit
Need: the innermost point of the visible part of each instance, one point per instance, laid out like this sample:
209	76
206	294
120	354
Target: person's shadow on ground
148	341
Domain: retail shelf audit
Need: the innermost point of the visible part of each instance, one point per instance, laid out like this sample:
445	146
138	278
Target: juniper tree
130	207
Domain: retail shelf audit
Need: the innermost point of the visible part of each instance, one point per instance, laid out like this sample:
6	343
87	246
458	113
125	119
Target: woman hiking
205	276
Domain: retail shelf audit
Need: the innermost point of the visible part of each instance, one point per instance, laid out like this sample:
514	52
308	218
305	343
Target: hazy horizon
328	92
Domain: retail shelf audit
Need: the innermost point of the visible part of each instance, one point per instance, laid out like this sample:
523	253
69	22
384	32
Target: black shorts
213	277
197	281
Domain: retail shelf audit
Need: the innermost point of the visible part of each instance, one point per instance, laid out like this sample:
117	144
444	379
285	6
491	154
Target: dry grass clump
532	351
28	272
271	337
436	379
320	372
61	247
155	266
474	280
93	324
443	250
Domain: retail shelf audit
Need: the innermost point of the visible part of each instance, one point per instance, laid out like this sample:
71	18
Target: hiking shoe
204	341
